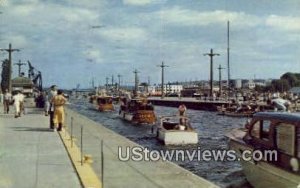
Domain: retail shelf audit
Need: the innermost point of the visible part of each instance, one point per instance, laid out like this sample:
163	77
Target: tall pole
228	58
106	83
211	55
19	66
162	78
112	80
136	81
220	79
119	80
93	83
9	50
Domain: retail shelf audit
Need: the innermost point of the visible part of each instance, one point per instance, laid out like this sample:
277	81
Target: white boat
176	130
275	132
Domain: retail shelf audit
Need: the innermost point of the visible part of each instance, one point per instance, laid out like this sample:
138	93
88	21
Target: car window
256	129
285	138
265	129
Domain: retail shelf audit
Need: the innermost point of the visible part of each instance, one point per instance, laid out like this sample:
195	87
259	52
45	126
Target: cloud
188	17
17	40
286	23
93	55
79	15
124	34
137	2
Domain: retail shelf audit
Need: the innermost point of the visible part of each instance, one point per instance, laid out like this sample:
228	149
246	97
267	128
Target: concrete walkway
31	155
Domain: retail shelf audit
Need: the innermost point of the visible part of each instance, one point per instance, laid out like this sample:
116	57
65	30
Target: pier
191	103
32	155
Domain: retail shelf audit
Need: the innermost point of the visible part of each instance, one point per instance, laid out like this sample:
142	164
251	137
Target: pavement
31	155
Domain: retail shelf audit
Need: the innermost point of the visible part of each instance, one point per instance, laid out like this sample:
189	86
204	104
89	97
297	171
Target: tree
280	85
293	79
5	75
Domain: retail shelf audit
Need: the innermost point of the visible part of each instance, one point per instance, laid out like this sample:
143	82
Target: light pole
136	81
162	78
119	80
9	50
220	79
19	67
211	55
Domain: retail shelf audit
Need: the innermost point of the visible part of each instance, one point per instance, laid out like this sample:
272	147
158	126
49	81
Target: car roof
283	116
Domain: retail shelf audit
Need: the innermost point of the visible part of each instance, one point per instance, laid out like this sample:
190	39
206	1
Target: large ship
275	137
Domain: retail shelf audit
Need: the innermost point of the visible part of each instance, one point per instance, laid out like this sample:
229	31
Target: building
295	90
248	84
23	84
169	88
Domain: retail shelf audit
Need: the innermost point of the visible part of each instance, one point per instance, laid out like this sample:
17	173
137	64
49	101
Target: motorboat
105	103
275	137
176	130
244	111
137	110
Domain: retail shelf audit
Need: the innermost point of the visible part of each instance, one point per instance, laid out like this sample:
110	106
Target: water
210	127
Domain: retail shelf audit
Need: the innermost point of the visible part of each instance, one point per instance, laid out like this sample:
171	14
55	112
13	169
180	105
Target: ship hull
177	137
139	117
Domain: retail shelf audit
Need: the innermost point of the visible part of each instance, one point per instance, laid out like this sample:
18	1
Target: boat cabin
276	131
104	100
136	105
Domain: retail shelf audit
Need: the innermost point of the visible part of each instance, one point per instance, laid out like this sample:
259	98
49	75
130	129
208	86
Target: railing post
71	132
102	164
81	146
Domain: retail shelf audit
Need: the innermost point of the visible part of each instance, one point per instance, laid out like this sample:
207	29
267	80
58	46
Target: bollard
81	147
102	164
71	132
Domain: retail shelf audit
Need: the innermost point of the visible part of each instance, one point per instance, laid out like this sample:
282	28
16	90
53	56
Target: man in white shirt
18	102
51	94
281	104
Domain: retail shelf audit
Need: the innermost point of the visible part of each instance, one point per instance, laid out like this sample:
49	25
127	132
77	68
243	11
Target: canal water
211	129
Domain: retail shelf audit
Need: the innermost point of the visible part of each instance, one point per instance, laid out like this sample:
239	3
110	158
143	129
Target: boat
276	136
176	130
235	112
137	110
105	103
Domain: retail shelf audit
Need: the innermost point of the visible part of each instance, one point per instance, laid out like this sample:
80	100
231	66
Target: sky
73	41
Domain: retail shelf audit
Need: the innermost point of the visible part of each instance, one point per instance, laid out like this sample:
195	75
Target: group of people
17	100
54	107
54	102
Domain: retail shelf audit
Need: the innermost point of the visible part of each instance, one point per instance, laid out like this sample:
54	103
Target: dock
32	155
190	103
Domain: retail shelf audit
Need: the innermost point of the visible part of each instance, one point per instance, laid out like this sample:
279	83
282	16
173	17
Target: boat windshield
104	101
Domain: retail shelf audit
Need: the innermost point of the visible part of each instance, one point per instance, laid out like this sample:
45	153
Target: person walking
6	101
59	115
18	102
51	94
47	103
1	97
